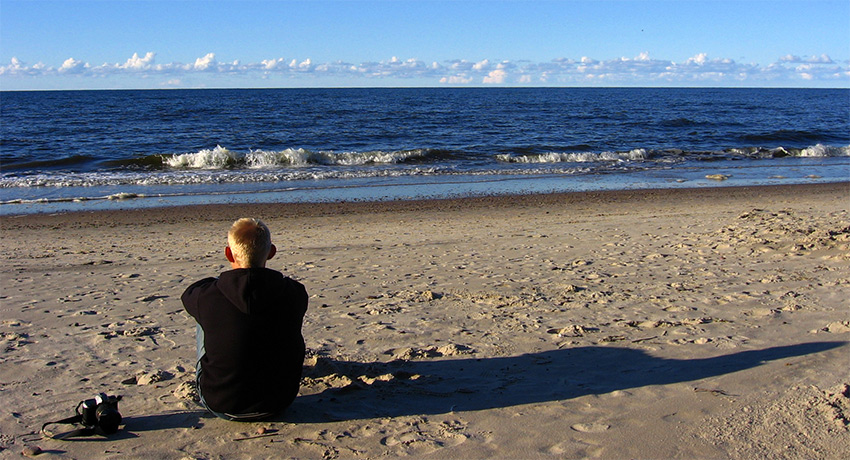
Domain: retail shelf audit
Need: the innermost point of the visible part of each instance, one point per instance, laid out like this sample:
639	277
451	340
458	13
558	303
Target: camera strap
85	431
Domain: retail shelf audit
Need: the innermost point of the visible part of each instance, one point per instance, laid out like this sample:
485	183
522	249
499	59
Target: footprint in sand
590	427
837	327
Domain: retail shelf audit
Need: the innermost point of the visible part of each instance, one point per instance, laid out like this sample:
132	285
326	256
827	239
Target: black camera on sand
98	415
101	412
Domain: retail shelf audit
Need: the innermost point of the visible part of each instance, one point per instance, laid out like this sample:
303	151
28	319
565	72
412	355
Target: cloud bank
699	70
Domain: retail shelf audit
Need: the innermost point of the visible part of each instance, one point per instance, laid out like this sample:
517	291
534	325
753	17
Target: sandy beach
696	323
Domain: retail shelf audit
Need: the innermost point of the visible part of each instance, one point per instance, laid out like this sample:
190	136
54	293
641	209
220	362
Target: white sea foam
375	157
821	150
124	196
209	176
222	167
216	158
222	158
575	157
814	151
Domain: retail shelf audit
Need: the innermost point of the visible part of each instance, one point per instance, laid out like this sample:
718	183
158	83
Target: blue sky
68	44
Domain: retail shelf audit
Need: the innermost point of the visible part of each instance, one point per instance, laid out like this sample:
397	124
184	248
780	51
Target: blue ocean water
76	150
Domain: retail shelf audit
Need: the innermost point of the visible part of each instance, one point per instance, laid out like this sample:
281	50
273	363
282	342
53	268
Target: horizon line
417	87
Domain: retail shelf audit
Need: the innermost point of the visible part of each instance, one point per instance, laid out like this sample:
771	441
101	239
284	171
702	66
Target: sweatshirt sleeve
302	297
192	294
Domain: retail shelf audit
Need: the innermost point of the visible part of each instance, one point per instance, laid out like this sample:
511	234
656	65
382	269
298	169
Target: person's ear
229	254
272	252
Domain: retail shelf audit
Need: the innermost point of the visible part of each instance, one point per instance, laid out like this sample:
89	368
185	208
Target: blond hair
250	242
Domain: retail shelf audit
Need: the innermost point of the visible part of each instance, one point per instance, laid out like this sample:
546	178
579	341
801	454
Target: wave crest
814	151
821	150
222	158
217	158
575	157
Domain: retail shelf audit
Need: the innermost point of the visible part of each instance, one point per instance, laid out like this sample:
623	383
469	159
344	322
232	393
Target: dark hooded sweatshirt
251	319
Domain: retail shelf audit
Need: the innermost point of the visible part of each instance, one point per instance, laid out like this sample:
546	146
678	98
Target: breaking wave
815	151
222	158
825	151
223	166
575	157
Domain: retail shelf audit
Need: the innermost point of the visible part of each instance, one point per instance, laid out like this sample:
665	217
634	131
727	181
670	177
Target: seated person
250	347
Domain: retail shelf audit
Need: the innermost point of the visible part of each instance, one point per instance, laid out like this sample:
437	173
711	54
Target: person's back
250	347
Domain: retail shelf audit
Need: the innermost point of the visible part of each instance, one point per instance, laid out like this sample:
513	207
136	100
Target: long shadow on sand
400	388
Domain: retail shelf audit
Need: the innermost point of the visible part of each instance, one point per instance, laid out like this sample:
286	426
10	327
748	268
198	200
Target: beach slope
697	323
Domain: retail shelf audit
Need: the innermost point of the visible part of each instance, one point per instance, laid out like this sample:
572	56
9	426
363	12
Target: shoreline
219	211
684	323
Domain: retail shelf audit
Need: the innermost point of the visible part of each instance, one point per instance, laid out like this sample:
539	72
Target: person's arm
192	294
301	298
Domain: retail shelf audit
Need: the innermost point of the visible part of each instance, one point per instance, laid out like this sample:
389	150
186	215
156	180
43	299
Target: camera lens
108	418
89	412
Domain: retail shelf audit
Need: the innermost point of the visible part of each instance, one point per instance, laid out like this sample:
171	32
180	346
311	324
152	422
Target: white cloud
483	65
699	59
640	70
73	66
271	64
138	63
461	64
456	80
497	76
822	59
205	63
305	64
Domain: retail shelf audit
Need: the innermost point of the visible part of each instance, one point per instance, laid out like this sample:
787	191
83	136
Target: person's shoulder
272	275
291	282
195	290
292	285
202	282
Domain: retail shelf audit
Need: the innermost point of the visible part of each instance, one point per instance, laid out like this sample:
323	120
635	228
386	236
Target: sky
127	44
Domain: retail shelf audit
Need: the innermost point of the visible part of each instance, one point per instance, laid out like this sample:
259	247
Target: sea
89	150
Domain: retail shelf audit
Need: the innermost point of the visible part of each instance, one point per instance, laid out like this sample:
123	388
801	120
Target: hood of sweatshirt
253	289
